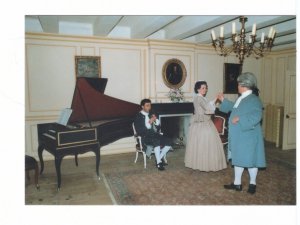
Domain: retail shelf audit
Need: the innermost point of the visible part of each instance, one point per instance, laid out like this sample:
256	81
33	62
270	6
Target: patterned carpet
178	185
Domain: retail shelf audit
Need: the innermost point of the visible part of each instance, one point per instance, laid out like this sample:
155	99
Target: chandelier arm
227	50
258	52
261	51
249	49
221	49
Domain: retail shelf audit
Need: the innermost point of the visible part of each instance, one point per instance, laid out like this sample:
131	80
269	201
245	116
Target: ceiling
195	29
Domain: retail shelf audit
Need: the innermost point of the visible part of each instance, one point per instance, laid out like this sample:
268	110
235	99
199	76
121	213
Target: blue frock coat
245	138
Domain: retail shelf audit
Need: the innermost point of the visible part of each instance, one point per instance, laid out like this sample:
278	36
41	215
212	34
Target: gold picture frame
174	73
88	66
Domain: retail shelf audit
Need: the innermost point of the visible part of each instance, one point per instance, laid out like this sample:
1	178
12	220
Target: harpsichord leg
97	152
58	173
76	159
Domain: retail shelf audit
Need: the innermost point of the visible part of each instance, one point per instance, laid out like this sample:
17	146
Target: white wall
134	71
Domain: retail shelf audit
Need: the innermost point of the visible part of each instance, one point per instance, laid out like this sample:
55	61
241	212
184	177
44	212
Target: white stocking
253	174
157	154
164	151
238	171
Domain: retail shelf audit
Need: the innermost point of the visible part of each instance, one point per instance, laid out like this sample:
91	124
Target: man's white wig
247	79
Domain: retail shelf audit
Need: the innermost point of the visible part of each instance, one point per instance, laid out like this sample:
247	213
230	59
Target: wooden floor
80	185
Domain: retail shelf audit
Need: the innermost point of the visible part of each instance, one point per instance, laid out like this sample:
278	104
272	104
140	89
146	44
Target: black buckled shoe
251	189
233	186
160	166
163	162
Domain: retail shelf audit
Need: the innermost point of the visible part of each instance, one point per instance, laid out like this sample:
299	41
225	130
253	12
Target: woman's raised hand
220	97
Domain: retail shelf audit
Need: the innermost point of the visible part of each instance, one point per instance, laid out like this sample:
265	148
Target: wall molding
282	52
89	39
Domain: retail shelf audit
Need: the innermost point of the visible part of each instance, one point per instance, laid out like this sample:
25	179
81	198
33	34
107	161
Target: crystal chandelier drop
240	46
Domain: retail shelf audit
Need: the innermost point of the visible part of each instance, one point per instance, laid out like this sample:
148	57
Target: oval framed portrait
174	73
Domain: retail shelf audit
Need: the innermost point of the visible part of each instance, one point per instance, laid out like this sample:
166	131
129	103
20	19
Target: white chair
140	149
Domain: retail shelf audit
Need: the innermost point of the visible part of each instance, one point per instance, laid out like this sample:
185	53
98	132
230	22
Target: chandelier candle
233	28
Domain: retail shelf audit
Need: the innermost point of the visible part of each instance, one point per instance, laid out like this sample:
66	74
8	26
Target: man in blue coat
246	143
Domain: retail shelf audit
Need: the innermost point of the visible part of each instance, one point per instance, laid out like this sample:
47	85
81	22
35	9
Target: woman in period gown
204	150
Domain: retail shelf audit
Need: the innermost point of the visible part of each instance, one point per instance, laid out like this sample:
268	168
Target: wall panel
158	57
50	75
88	51
210	69
280	77
291	62
266	88
124	70
160	89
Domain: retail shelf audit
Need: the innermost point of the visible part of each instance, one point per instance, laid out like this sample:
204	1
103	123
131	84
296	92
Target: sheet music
64	116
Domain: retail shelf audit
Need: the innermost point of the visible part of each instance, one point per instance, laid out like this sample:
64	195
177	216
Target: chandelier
240	46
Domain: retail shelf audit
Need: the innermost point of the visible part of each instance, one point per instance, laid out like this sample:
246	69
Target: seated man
146	125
